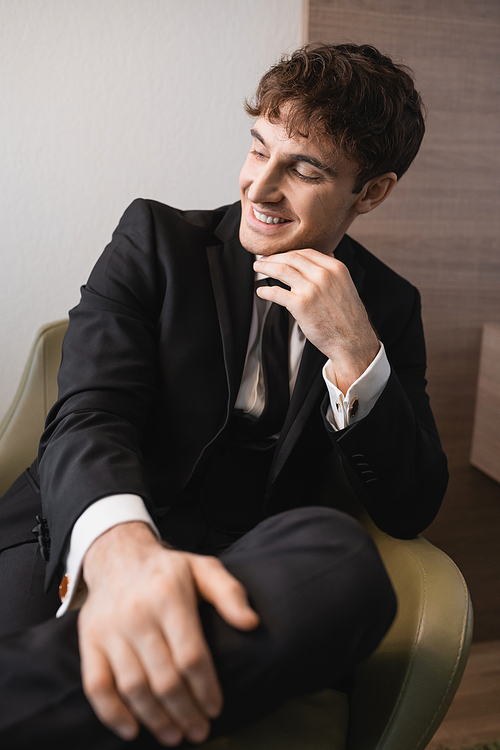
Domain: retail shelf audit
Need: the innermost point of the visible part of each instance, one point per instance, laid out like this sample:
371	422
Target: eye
258	154
306	177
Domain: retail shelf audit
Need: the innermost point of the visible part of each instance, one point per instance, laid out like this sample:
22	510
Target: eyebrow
300	157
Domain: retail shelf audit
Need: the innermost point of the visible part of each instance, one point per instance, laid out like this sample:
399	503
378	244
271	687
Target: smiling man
227	378
297	195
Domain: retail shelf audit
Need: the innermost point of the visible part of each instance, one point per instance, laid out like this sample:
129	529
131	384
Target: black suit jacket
152	363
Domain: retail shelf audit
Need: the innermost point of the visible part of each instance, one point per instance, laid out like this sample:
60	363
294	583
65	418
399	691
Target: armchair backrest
23	424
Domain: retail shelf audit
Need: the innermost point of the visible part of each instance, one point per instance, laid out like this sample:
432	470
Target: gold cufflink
354	408
63	588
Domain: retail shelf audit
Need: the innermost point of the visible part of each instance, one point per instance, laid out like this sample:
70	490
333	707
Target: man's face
295	192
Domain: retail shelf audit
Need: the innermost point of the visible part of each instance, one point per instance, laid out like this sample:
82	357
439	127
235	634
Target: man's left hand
326	305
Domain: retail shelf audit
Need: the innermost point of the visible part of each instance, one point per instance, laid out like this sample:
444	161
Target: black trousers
313	575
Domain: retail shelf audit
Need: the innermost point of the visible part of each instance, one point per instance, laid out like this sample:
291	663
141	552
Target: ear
375	192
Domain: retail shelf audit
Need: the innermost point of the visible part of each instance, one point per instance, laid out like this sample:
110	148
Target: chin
251	244
257	248
261	246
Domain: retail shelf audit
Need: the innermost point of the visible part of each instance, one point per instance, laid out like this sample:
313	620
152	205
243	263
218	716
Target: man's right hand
143	652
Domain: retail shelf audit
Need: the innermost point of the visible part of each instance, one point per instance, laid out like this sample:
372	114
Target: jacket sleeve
91	446
393	457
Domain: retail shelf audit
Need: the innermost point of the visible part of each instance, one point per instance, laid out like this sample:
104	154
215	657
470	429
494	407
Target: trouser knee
315	578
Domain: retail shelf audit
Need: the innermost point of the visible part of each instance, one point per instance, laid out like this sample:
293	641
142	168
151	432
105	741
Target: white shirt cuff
346	409
98	518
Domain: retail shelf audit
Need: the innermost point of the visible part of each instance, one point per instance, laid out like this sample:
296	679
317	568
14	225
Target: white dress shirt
344	409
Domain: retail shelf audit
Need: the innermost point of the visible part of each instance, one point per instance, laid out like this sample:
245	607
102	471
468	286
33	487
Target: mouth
268	218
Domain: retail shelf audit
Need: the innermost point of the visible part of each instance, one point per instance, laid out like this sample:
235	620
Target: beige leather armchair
402	691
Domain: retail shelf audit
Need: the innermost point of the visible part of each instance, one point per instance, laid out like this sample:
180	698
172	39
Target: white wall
103	101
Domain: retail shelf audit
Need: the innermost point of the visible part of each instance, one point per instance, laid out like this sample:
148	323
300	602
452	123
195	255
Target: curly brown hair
359	98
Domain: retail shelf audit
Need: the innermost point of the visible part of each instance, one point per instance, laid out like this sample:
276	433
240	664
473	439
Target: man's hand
143	652
326	305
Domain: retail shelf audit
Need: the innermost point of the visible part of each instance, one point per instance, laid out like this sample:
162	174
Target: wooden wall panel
441	230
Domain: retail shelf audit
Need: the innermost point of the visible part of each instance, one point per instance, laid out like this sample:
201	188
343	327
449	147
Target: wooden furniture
485	451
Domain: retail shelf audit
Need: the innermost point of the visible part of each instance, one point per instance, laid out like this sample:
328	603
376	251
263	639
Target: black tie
274	366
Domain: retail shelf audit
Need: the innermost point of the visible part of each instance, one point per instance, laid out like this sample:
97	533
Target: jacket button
42	532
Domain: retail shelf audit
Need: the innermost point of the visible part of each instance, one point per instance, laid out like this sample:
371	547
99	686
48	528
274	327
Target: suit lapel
308	387
231	270
345	253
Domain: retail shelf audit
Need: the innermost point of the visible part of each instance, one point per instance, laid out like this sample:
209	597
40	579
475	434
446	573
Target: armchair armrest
405	688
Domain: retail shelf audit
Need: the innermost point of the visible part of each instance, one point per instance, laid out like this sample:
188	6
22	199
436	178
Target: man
195	411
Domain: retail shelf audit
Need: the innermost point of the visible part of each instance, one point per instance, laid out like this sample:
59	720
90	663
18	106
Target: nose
266	184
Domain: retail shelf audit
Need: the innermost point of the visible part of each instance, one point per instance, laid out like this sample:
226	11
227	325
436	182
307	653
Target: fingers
138	691
300	258
280	268
180	688
294	260
126	688
144	656
99	688
192	660
225	592
299	269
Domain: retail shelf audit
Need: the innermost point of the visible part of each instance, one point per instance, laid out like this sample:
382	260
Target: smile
268	219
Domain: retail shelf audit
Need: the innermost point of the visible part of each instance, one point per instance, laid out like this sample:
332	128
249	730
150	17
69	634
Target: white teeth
267	219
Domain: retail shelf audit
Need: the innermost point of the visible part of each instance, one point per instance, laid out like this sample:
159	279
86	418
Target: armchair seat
402	692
